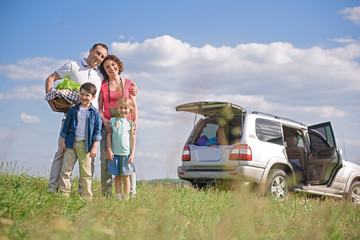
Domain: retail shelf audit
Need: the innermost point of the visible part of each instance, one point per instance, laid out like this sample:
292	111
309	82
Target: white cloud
345	40
352	14
168	63
38	68
33	92
25	118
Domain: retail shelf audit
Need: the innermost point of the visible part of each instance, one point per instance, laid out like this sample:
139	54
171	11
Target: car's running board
318	193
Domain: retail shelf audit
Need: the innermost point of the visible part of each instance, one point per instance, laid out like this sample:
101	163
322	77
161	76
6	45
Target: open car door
324	159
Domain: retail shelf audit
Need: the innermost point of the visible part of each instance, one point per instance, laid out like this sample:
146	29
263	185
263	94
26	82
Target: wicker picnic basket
61	104
63	99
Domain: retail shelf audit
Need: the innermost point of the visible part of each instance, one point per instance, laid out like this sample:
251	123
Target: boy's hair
118	62
89	87
100	44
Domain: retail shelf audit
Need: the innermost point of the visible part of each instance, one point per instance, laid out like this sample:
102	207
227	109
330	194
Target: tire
354	193
278	183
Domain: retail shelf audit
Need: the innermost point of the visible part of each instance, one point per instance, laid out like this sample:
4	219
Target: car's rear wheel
277	184
354	193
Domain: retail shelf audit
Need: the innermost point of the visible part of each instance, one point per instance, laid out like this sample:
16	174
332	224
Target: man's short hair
102	45
89	87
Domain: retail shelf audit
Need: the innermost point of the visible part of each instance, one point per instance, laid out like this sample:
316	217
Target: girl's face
123	111
111	68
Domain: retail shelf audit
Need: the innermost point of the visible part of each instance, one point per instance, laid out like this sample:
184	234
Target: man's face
96	56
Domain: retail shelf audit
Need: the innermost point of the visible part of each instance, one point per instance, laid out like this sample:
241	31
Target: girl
121	147
112	89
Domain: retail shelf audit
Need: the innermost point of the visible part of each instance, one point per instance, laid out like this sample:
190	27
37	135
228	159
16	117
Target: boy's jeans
57	165
70	157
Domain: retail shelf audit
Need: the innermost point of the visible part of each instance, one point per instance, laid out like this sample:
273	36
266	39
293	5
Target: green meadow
168	209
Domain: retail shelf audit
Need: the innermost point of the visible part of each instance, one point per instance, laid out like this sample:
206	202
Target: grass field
166	209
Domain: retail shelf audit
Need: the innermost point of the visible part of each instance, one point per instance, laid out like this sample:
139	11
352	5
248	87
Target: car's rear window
229	133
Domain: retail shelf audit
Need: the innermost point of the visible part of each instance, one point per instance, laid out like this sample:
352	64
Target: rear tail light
240	152
186	154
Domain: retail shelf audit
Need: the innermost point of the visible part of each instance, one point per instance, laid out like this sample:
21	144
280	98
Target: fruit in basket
68	84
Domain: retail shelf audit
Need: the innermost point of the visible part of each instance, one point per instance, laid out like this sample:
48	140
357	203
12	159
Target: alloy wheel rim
355	195
279	188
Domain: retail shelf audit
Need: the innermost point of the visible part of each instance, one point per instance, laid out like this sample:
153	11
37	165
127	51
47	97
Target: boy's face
85	98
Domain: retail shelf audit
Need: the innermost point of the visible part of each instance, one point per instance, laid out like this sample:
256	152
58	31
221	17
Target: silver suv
276	153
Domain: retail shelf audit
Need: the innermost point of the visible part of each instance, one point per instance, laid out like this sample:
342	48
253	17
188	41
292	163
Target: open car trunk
212	138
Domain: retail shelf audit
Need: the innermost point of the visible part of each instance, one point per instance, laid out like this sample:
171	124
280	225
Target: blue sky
297	59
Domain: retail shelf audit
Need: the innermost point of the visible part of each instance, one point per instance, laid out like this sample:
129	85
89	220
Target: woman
113	88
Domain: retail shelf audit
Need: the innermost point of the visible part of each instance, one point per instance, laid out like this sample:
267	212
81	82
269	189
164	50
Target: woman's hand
107	125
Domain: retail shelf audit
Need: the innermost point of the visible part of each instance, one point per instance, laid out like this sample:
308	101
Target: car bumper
242	173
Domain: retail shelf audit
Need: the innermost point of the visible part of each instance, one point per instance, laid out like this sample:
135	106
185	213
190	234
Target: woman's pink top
114	96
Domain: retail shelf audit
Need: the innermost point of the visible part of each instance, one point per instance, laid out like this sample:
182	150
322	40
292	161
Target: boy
80	137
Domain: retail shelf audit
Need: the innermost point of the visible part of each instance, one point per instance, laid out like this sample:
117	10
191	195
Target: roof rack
277	117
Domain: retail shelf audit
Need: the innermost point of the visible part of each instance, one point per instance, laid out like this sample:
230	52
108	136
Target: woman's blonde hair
124	102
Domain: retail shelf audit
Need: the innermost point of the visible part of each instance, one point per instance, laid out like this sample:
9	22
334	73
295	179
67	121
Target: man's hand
52	106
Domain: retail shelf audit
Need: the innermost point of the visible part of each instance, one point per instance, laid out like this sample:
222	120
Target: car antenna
344	152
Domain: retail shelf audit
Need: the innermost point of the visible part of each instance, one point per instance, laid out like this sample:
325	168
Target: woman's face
111	68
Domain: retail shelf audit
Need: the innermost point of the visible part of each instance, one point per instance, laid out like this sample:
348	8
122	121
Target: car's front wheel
277	184
354	193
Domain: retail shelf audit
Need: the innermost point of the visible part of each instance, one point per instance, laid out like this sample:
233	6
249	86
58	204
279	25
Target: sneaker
51	190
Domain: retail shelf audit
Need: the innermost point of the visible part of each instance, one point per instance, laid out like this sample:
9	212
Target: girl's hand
131	159
109	154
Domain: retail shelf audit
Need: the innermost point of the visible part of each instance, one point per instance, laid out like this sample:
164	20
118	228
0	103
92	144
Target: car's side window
269	131
318	142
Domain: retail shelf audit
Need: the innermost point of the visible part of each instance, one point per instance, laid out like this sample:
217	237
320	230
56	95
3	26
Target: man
81	71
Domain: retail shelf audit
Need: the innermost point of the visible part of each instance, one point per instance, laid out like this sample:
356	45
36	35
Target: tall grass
168	211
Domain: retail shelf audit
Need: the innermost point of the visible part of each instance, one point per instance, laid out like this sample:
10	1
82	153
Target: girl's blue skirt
120	166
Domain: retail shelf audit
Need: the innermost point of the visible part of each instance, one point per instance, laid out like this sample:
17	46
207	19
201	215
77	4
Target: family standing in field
106	115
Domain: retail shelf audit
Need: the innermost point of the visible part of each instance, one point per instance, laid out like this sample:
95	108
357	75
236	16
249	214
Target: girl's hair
124	102
118	62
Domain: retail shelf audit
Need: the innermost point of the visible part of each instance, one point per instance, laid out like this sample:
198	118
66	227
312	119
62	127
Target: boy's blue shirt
92	127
